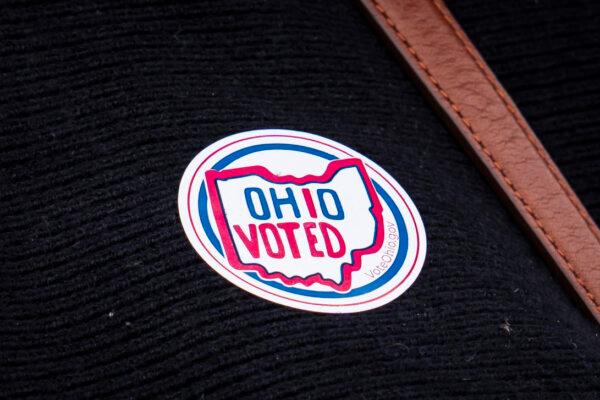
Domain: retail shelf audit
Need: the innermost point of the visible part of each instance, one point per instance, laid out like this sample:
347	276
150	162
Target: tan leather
478	110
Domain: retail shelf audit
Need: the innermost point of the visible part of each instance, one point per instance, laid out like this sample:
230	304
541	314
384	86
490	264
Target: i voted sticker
302	221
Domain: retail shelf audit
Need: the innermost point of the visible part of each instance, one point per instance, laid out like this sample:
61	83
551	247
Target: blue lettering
278	202
338	205
265	213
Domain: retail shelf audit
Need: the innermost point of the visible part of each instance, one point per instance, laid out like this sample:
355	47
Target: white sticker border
188	210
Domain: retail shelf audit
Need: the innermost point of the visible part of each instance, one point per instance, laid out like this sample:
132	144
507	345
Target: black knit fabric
103	106
547	55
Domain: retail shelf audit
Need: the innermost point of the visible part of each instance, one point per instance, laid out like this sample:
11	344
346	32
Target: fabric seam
482	146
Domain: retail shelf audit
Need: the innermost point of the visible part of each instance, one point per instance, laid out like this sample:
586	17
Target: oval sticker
302	221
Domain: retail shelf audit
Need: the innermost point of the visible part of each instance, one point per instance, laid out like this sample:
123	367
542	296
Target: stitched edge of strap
522	124
390	22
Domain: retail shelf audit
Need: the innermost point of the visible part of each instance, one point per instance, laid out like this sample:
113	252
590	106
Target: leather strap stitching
511	109
482	146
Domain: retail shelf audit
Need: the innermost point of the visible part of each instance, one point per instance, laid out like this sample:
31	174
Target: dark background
103	106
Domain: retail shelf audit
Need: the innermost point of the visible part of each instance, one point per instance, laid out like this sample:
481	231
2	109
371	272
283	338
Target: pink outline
332	169
224	266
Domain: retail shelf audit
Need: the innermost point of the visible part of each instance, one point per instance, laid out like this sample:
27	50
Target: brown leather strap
478	110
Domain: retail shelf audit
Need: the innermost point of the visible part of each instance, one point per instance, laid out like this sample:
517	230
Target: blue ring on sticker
393	269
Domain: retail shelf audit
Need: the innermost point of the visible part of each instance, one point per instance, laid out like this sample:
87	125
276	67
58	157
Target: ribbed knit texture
102	108
547	55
